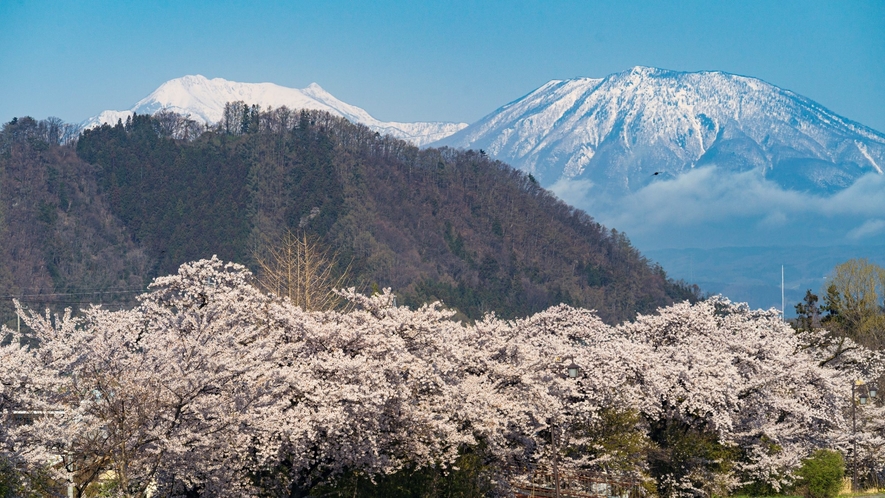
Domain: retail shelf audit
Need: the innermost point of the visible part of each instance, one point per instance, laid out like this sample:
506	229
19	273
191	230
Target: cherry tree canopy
211	386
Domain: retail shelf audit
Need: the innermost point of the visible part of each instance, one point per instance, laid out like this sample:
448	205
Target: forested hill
59	243
432	224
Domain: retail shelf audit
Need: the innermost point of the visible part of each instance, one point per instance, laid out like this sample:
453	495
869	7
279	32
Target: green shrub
10	480
821	474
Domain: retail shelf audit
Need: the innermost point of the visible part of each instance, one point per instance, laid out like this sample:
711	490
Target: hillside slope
431	224
59	243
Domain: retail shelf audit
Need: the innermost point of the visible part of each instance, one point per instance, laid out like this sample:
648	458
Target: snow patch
863	150
575	165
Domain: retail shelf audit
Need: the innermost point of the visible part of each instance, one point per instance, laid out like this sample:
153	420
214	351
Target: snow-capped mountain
630	129
204	99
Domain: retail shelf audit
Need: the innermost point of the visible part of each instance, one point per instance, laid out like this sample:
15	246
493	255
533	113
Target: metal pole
854	438
555	460
783	302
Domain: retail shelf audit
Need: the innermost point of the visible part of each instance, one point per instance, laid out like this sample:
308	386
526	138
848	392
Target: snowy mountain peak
646	71
204	99
317	92
619	130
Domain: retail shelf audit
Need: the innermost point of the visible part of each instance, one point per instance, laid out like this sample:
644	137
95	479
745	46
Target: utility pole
555	460
854	437
783	302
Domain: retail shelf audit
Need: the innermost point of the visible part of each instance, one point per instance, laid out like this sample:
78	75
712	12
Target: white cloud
867	229
573	192
865	197
774	220
709	203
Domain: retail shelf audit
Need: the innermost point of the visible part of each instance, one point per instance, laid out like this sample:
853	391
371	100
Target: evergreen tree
808	312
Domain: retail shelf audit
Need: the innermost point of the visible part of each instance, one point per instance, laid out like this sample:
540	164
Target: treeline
432	224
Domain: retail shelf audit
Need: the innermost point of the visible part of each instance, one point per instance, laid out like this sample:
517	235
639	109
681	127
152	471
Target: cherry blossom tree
212	387
164	395
743	376
374	389
866	367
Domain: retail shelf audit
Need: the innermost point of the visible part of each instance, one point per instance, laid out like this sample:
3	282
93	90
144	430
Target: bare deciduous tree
299	269
173	125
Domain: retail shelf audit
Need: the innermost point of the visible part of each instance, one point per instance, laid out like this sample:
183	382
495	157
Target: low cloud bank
711	207
730	232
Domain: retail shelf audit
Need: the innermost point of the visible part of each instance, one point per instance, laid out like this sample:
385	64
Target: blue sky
417	61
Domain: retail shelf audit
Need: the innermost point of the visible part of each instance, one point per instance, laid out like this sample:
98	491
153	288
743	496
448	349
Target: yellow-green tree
854	302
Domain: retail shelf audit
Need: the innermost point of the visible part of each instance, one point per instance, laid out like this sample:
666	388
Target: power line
87	289
67	302
62	294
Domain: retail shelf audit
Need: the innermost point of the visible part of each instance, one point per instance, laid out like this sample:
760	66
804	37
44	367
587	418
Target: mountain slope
432	224
203	100
624	131
60	244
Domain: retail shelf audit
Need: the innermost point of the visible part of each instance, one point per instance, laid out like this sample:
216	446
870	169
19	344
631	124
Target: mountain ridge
670	160
203	100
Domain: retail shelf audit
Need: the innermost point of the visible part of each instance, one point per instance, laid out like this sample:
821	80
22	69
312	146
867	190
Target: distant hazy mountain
204	99
630	129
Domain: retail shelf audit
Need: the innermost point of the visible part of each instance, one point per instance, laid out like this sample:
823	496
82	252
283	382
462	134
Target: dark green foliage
8	285
182	201
821	474
596	276
10	480
808	312
48	213
17	484
620	437
313	180
455	242
469	477
469	302
683	451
